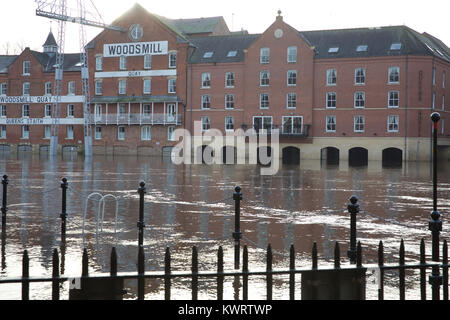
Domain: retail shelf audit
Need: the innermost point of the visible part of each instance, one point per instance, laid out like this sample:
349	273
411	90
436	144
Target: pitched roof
50	41
5	62
48	61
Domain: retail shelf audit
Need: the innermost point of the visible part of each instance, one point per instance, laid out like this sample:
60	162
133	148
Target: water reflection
192	205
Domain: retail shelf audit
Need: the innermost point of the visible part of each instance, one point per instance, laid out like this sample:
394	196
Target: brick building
362	93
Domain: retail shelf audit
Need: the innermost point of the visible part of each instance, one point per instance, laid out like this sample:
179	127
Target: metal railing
136	119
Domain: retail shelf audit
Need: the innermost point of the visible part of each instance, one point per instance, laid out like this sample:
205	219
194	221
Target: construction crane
59	10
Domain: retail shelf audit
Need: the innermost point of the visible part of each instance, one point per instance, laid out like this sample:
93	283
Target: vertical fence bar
359	255
194	273
381	271
423	291
292	274
237	235
113	271
445	269
55	275
167	267
269	272
142	190
25	276
435	223
353	209
220	276
4	209
314	256
245	271
337	256
85	264
63	216
141	271
401	270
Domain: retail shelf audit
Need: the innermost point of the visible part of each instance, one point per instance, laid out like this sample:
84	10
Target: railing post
25	276
353	209
237	235
435	224
142	190
141	272
167	267
4	202
55	275
63	215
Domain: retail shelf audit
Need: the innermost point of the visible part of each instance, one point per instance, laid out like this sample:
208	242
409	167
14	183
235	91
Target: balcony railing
296	132
136	118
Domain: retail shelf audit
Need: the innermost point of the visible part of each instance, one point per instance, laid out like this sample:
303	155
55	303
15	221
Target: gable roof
5	62
194	26
48	61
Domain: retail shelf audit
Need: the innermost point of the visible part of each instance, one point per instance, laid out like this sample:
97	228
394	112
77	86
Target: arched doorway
358	157
264	155
291	155
392	157
228	155
330	155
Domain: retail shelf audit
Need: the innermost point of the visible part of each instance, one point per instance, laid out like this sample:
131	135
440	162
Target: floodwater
192	205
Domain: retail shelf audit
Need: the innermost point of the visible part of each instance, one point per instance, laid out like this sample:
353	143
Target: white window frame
122	110
263	102
122	86
3	111
146	110
70	132
70	110
147	86
172	85
443	103
291	101
98	133
229	120
2	131
264	124
291	78
206	80
229	101
264	78
47	111
331	123
25	111
394	72
360	76
48	88
123	63
26	68
357	122
291	124
264	55
25	132
357	100
328	99
98	87
3	89
392	92
331	77
291	54
71	88
98	112
433	100
229	80
47	131
206	102
26	88
444	75
433	75
171	133
146	133
121	133
172	59
98	62
389	123
147	61
206	123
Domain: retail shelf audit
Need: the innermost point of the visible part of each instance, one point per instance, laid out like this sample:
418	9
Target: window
2	132
70	110
396	46
229	79
122	86
48	110
292	54
443	81
358	124
264	101
360	76
71	88
434	76
262	123
147	61
392	124
26	89
393	99
394	75
229	101
264	78
206	80
25	132
98	87
206	124
206	101
26	110
433	101
47	132
331	77
229	123
26	68
443	103
208	54
69	132
98	133
331	99
172	86
359	100
292	78
99	63
147	86
171	133
145	133
146	111
121	133
264	55
333	50
232	53
3	111
172	60
292	125
48	88
330	124
291	100
361	48
123	63
3	88
122	109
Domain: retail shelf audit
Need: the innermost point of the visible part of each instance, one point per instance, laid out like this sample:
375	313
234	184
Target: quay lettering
135	49
38	99
24	121
208	146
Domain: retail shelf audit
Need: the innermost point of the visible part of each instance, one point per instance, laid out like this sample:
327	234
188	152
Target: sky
22	28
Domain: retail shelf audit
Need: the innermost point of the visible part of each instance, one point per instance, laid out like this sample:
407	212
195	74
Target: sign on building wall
135	49
40	99
46	121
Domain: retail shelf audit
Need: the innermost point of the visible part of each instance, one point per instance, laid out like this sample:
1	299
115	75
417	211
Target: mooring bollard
353	209
64	186
237	235
4	207
142	190
435	223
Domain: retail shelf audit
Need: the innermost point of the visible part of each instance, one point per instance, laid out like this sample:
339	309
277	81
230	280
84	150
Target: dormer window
361	48
333	50
232	53
396	46
208	54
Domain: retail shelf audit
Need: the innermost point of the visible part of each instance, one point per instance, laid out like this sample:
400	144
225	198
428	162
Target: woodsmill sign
135	49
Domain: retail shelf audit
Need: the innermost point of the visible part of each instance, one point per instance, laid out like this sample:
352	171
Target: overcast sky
22	28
